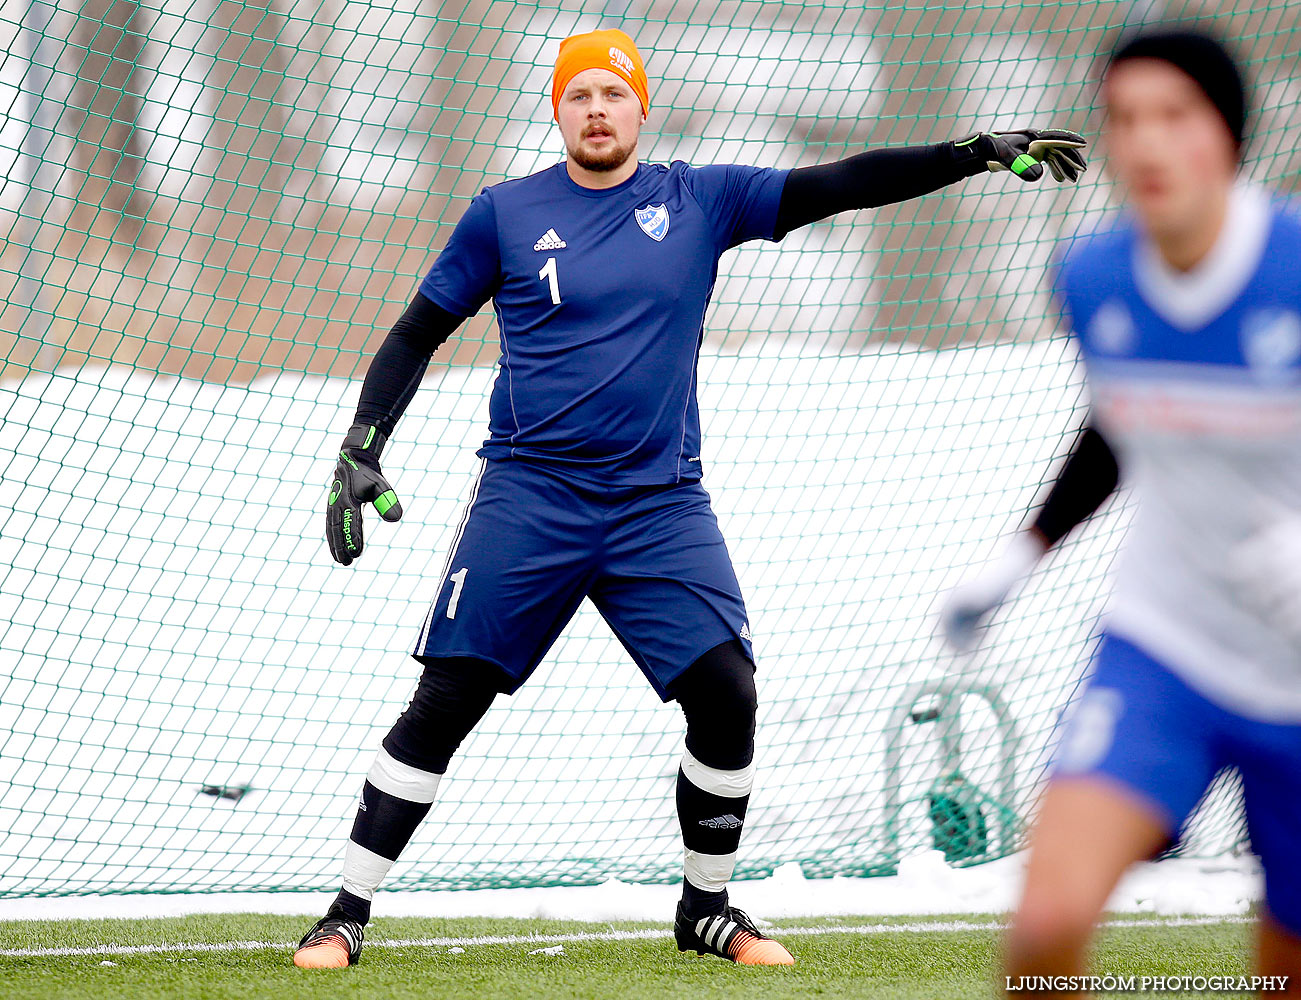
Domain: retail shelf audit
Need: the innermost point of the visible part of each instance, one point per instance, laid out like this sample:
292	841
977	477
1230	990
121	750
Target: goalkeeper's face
1170	148
600	120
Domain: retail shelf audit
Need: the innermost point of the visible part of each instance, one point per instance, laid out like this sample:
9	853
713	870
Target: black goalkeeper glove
357	480
1025	151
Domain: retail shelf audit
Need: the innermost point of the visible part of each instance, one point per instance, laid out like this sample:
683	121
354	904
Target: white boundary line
649	934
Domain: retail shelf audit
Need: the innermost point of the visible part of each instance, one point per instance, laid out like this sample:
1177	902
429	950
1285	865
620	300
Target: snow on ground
170	619
925	885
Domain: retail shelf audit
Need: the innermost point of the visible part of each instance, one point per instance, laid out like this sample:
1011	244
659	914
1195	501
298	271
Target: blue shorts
533	543
1142	726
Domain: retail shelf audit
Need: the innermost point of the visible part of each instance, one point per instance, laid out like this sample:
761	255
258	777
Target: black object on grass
232	792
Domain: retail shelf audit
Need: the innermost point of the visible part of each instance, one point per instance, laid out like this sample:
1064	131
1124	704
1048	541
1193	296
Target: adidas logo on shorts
728	822
550	241
745	632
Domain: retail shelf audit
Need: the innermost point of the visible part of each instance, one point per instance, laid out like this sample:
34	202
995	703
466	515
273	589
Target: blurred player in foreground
600	269
1188	316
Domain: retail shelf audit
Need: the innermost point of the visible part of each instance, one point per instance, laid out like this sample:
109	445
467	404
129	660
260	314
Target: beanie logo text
621	61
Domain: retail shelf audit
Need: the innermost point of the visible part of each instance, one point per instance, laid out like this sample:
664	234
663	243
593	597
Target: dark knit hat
1202	57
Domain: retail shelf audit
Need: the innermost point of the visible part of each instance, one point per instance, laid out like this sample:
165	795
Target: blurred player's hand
968	605
1265	569
1025	151
357	480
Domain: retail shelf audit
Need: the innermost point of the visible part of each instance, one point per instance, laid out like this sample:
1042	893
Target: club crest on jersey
1271	340
654	221
1111	331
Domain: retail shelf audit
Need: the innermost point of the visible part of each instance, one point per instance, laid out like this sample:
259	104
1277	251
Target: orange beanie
611	49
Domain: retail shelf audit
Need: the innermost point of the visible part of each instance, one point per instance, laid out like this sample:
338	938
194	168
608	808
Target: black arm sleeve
870	180
400	363
1086	480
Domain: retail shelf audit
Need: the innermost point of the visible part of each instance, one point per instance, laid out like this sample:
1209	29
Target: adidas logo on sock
550	241
728	822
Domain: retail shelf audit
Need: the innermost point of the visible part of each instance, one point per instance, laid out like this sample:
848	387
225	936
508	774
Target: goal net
215	210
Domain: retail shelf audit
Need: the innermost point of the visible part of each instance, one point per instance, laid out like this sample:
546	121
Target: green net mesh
213	213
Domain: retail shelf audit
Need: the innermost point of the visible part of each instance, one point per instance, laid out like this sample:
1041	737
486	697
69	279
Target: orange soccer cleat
334	942
731	935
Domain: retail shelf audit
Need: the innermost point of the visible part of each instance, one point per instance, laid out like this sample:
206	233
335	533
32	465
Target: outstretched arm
1088	476
883	176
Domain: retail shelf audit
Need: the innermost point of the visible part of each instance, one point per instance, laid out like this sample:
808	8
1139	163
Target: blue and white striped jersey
1196	384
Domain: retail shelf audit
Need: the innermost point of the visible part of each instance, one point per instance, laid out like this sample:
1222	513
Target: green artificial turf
896	964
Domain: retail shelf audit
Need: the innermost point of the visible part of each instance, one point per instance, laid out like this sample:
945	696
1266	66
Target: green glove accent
1026	152
385	501
357	480
1024	164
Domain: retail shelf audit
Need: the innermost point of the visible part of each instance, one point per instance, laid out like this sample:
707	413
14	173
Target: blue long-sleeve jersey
600	297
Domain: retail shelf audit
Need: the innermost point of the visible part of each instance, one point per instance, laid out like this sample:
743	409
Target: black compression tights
718	698
451	698
716	693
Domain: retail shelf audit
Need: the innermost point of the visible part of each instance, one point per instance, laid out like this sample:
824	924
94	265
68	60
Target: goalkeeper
600	269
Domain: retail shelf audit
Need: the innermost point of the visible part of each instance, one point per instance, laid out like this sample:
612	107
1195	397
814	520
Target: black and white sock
711	810
394	799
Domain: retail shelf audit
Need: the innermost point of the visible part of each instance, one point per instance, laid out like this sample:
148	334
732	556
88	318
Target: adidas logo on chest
550	240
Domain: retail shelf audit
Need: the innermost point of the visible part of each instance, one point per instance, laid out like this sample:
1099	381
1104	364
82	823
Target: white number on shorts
458	581
549	272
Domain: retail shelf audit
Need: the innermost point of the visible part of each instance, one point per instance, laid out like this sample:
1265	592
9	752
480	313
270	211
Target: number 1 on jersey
458	581
549	272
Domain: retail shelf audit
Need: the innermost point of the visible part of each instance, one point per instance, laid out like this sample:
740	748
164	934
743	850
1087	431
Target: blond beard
603	162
